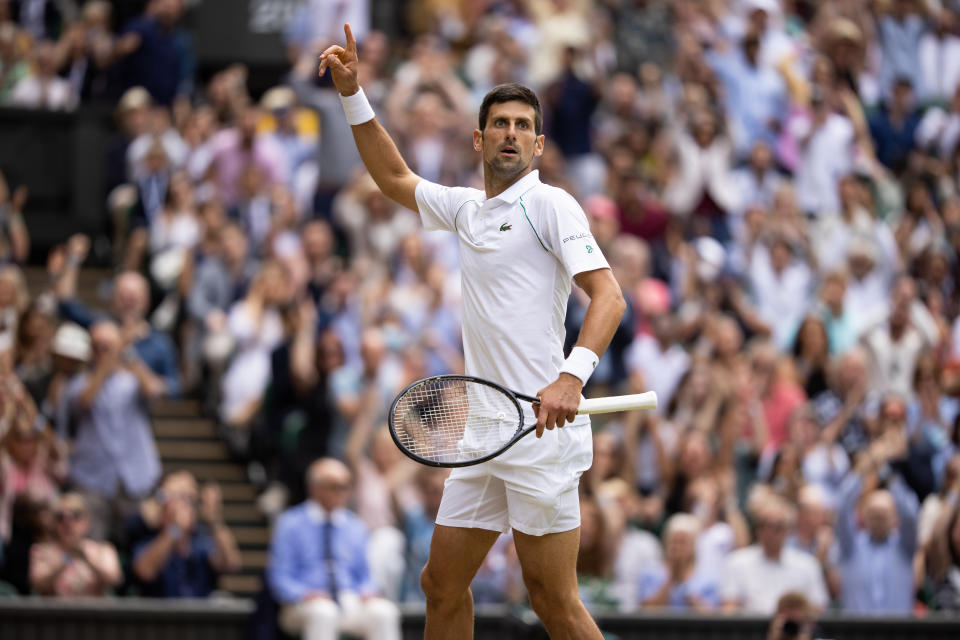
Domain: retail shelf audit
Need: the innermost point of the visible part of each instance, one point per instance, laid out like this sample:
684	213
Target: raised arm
377	149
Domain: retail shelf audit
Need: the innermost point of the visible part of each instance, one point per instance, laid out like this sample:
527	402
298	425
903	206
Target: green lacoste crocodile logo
506	227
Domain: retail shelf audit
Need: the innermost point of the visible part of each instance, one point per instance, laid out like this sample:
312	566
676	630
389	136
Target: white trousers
323	619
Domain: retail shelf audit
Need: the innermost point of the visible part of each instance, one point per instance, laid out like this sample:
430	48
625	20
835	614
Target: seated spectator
878	539
103	415
191	545
677	583
71	564
755	577
822	461
318	568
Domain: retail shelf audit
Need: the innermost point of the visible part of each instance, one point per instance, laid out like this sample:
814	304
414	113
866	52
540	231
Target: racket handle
609	404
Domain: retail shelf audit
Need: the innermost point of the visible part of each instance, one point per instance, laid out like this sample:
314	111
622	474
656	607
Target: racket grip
647	400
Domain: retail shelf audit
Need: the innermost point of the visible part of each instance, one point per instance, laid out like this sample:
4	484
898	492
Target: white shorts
531	488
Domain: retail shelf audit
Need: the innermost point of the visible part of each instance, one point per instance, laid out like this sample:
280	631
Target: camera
790	629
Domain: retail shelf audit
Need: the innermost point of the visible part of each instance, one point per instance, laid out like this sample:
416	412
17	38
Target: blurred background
202	293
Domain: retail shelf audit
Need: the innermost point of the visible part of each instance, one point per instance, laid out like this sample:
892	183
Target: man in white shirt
756	577
521	244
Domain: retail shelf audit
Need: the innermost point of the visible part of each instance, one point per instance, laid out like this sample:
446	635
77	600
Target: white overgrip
647	400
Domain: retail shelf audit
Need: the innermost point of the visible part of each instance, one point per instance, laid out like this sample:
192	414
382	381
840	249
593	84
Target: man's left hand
558	402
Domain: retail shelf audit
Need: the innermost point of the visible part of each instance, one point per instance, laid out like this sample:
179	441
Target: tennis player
521	244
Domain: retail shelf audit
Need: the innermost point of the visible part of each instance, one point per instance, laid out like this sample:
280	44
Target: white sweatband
357	108
580	363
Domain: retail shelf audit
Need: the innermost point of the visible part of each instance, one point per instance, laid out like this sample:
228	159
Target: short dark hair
508	93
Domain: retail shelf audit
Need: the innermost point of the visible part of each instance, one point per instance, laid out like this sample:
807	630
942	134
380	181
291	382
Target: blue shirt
297	565
189	576
877	576
113	445
156	349
418	530
755	96
163	64
699	585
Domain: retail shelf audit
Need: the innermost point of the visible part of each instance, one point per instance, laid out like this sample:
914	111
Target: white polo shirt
519	252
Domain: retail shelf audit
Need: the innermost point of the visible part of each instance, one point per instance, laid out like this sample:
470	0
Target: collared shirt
113	448
877	576
519	251
756	582
297	563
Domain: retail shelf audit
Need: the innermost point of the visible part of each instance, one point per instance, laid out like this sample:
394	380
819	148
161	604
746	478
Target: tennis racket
457	421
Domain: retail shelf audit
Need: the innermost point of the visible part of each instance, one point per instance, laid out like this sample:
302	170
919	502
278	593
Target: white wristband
580	363
357	108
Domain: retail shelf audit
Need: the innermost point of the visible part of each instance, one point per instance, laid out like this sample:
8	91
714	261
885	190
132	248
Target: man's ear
538	146
477	140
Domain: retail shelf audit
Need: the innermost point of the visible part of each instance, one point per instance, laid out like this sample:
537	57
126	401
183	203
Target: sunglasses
70	515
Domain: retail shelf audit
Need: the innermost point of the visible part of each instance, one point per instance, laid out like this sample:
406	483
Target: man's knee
437	588
550	599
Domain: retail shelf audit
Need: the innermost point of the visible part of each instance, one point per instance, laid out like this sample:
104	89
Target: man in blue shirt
318	565
877	547
158	54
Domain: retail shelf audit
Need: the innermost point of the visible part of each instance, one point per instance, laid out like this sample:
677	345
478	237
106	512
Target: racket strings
454	420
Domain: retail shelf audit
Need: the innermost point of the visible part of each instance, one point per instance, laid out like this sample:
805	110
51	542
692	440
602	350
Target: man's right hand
342	63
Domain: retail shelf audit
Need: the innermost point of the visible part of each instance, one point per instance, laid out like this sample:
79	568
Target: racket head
455	420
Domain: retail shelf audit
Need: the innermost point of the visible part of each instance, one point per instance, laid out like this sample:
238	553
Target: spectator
756	577
814	534
42	88
102	413
418	521
69	352
943	552
238	148
878	540
825	139
191	546
14	235
256	327
33	463
150	352
894	126
823	462
678	583
895	345
72	564
156	53
318	567
794	617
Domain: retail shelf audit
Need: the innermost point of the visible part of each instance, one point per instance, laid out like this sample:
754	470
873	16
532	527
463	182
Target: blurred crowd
776	184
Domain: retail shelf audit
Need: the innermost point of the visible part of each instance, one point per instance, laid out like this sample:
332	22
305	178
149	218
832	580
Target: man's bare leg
550	573
455	555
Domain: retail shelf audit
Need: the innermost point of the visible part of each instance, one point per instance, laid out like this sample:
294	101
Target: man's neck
495	183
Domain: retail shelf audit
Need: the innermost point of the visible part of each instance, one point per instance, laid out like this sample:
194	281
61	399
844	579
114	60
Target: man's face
772	530
509	142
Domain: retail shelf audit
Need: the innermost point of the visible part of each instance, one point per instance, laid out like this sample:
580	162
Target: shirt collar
518	188
319	515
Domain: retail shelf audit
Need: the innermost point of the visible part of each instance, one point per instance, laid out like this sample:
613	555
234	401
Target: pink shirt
784	399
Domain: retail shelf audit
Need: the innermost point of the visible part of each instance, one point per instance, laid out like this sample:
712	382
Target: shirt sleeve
439	205
282	576
565	233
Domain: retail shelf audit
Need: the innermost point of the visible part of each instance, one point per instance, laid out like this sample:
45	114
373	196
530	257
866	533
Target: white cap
71	341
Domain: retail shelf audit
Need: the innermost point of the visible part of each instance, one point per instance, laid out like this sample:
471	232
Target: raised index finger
351	42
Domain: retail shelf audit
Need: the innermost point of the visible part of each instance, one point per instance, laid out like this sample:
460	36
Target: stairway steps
170	428
202	450
251	536
176	408
209	471
242	584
